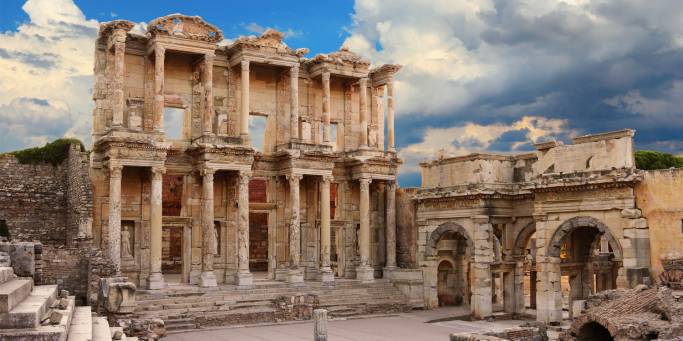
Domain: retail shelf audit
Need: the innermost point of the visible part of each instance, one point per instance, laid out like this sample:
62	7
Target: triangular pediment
183	26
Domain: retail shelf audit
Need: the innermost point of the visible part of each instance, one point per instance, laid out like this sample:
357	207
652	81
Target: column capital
209	55
294	177
325	76
245	65
391	184
159	50
365	181
326	179
294	70
115	170
363	82
207	171
244	177
158	172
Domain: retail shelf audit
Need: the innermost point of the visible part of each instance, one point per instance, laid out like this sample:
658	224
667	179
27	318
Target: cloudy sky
479	75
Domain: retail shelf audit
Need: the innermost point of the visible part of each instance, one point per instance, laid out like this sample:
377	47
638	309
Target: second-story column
326	106
363	95
295	273
243	277
159	56
326	274
364	272
244	117
294	102
156	279
390	115
115	174
119	42
391	227
208	277
207	84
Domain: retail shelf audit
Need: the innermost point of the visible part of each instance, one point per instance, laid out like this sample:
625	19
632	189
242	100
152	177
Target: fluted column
119	42
326	106
156	279
115	173
207	84
244	117
390	115
159	54
243	277
364	271
295	273
208	277
363	94
391	226
294	102
326	274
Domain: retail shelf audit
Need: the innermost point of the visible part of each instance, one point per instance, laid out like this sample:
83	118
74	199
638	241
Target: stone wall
658	196
406	230
66	267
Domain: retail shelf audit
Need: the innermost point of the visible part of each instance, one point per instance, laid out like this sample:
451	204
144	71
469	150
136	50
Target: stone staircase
29	312
186	307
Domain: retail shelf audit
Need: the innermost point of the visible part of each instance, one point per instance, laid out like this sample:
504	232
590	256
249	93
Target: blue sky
478	75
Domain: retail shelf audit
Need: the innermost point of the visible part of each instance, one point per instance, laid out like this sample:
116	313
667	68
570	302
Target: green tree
650	159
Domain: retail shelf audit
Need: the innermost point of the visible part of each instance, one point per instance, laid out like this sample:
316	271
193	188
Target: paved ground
411	326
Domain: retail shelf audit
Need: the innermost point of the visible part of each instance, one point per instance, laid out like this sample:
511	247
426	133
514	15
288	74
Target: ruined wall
659	198
406	230
66	267
79	196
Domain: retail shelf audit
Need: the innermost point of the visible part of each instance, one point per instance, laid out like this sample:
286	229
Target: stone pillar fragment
207	84
295	273
118	103
207	277
156	279
326	274
364	271
391	226
320	325
244	117
326	106
549	291
243	276
159	57
482	285
363	95
390	115
115	174
294	102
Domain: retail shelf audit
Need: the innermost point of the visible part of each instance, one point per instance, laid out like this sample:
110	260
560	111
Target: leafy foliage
54	152
649	159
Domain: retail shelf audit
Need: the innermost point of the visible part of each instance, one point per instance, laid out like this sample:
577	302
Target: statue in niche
126	241
216	243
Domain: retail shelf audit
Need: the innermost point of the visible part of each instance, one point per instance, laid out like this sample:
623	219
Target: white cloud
253	27
661	105
48	75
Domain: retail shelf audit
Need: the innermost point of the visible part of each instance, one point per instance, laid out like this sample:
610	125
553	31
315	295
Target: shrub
54	152
649	159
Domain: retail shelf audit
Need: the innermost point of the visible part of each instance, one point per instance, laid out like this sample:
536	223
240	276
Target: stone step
13	292
6	274
81	325
30	311
100	329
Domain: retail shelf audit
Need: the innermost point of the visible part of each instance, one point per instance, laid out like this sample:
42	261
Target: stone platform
187	307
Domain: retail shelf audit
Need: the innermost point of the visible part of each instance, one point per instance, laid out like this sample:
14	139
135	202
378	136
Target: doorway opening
446	281
593	331
172	253
258	242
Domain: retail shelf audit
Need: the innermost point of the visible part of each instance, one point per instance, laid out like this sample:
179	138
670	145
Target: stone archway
448	227
522	239
526	275
570	225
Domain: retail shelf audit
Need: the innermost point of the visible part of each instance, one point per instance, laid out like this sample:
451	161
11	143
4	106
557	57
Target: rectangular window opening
257	131
174	123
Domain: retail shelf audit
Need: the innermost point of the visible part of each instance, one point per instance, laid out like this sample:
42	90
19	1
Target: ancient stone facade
186	189
538	230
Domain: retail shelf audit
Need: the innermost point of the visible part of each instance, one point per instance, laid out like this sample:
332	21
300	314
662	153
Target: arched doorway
593	331
589	259
451	248
525	250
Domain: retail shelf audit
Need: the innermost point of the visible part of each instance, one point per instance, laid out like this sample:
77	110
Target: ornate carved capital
363	82
244	177
158	172
115	170
207	173
294	71
245	65
325	76
365	183
326	179
294	178
159	51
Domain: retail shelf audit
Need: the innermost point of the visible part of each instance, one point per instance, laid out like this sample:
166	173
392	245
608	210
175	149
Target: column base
365	273
388	272
244	279
195	275
281	274
326	275
156	281
295	276
207	279
245	139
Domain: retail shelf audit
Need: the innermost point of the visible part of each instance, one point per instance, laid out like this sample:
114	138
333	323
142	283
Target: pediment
186	27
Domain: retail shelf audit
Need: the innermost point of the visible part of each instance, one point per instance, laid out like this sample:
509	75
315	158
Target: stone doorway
172	253
446	280
258	242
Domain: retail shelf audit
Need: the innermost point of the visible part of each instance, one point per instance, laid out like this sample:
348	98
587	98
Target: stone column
391	227
482	285
119	42
390	115
159	54
207	84
115	171
244	117
326	274
243	277
156	279
326	106
364	271
320	325
294	102
363	94
295	273
549	290
207	277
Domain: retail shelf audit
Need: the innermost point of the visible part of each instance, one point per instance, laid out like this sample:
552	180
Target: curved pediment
269	39
184	26
341	57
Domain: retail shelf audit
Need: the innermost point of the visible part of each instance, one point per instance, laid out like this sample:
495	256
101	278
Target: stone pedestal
365	273
244	279
295	276
156	281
